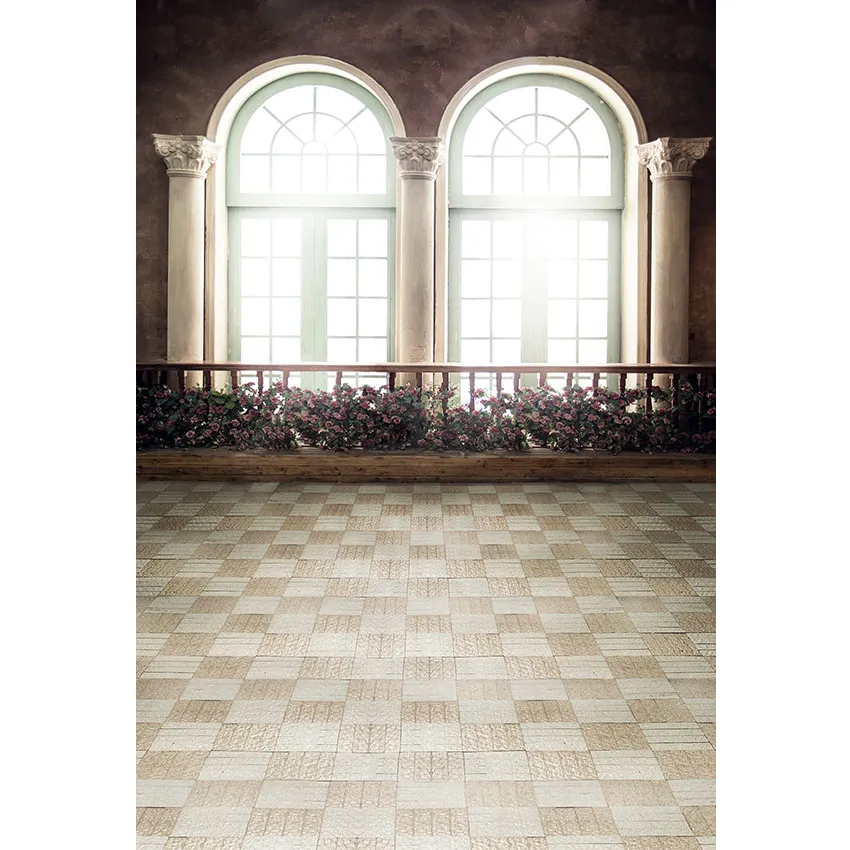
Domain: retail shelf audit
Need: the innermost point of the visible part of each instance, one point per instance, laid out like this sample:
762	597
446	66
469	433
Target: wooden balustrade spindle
623	377
596	380
542	379
445	399
569	381
419	383
498	383
260	381
472	392
181	380
338	379
676	379
285	380
234	380
516	382
391	380
649	377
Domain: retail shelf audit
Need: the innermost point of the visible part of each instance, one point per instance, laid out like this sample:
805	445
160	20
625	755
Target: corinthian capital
418	158
672	158
190	156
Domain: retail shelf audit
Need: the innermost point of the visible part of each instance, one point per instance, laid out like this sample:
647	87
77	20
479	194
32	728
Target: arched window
311	200
535	202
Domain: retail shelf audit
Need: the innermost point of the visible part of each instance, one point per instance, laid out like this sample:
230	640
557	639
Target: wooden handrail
426	368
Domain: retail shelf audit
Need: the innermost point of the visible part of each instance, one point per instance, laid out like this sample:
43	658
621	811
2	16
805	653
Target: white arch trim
218	131
634	298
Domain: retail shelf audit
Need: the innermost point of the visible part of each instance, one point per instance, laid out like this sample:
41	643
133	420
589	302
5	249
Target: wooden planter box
360	466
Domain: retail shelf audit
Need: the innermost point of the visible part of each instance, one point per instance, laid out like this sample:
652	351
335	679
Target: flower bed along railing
675	414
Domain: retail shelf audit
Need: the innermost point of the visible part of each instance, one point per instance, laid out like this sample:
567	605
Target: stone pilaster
418	161
670	163
187	159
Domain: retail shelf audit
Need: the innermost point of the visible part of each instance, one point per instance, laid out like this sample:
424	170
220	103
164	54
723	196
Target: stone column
188	159
670	162
418	161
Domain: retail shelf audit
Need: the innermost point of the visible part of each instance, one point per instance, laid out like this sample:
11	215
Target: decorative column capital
668	158
418	158
189	156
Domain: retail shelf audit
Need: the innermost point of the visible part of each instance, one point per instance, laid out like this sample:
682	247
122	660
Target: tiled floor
425	667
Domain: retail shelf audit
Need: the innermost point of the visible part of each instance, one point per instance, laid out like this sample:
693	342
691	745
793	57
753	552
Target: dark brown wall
190	51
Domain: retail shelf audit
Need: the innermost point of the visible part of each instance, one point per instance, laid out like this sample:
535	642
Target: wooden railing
702	376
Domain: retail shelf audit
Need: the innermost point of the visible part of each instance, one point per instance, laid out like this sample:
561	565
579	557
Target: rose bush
344	418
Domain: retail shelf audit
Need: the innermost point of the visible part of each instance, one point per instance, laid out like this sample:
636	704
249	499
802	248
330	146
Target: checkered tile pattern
425	667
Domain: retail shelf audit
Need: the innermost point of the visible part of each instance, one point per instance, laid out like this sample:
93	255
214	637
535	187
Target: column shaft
670	162
418	161
185	268
671	206
188	159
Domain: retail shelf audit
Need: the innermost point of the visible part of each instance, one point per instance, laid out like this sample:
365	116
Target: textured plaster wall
190	51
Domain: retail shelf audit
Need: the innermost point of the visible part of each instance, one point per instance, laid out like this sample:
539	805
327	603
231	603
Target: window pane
507	279
286	174
373	174
286	316
562	278
475	318
475	352
342	316
564	176
563	239
286	350
342	277
592	135
342	351
562	352
255	316
563	104
342	142
342	238
592	351
255	350
286	237
507	239
314	173
508	144
285	142
373	351
475	239
481	133
476	176
337	102
289	102
258	132
507	351
507	176
367	131
286	277
255	277
593	279
593	318
372	237
535	175
254	173
594	239
373	317
561	318
255	237
475	278
373	277
507	318
342	175
595	177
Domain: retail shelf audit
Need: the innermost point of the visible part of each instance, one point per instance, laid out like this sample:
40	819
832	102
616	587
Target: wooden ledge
359	466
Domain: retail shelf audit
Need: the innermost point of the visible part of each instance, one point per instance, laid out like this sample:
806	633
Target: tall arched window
535	201
311	198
